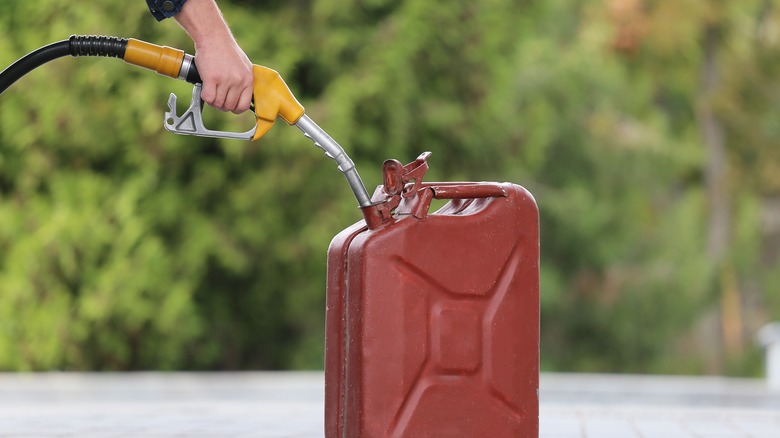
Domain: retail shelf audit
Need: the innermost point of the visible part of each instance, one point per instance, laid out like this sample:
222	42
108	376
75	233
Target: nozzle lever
191	121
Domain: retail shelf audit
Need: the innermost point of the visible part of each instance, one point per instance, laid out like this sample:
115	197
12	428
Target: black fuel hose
104	46
32	61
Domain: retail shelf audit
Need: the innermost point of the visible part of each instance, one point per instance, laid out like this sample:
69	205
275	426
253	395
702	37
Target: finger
244	101
232	98
208	93
219	98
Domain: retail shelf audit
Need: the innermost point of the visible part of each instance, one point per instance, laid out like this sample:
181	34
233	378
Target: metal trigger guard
191	121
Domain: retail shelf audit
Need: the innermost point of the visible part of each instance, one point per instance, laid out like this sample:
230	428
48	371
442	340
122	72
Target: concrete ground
606	406
263	404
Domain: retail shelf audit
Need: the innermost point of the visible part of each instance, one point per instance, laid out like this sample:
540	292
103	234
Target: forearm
203	21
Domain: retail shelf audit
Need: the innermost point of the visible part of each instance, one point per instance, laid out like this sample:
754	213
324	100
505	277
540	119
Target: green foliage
125	247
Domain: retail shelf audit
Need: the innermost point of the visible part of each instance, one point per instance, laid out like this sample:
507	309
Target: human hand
226	73
224	68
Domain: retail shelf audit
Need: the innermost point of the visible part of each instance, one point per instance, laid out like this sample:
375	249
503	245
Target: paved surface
606	406
290	405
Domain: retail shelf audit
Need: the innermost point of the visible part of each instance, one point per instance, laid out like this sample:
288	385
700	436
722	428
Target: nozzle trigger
191	121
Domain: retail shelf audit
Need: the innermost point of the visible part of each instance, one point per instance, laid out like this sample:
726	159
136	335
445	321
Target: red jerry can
433	318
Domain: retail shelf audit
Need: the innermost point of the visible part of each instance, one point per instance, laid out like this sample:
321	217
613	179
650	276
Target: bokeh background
648	131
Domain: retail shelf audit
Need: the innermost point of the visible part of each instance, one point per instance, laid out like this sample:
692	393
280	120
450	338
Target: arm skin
224	68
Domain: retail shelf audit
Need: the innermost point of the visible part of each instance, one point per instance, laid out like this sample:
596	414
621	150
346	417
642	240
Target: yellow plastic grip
273	99
164	60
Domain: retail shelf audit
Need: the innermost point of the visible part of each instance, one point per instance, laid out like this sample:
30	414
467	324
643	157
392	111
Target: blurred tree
731	73
681	62
123	247
645	129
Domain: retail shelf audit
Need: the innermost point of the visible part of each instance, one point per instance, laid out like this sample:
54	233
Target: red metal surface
433	319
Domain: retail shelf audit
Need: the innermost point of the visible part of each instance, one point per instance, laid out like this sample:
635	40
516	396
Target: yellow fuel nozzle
272	99
271	96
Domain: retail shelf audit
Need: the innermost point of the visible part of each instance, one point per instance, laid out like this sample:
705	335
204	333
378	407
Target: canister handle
467	190
420	205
